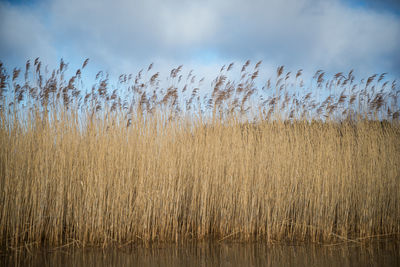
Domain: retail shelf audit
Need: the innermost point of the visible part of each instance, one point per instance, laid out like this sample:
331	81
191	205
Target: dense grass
100	174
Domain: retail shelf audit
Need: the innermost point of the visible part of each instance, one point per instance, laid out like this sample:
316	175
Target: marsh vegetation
152	160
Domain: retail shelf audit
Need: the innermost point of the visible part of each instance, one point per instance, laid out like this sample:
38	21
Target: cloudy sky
122	36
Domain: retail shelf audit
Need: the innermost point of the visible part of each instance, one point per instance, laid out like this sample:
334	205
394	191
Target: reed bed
142	163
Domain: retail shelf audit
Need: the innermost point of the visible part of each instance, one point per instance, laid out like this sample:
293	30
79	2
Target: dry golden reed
102	174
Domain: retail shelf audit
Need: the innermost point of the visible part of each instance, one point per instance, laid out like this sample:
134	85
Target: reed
159	164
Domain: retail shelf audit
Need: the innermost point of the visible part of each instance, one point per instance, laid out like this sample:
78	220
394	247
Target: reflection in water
215	254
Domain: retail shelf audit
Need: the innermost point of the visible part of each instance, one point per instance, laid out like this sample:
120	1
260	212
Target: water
215	254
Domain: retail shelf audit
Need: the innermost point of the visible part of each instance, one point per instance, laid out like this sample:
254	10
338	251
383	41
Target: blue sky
122	36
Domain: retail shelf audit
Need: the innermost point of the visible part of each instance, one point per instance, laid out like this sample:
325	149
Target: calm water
212	254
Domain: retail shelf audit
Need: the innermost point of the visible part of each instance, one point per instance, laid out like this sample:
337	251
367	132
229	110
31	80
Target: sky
122	36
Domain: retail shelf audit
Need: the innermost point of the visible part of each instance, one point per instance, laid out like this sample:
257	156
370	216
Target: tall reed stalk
101	168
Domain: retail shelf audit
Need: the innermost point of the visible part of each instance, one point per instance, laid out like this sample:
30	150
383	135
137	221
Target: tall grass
147	164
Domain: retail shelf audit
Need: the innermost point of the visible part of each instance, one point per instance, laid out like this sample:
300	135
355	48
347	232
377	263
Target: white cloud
188	25
122	35
313	34
24	36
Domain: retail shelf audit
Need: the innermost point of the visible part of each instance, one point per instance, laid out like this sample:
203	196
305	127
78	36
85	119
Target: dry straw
144	164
